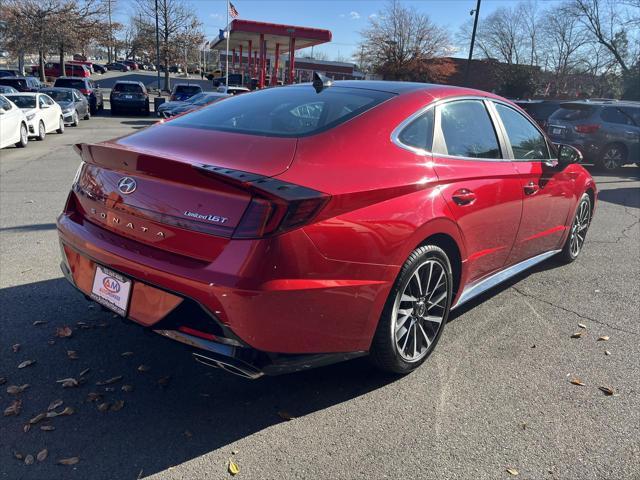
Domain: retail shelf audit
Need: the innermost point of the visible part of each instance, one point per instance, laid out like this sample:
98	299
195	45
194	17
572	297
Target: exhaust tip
229	365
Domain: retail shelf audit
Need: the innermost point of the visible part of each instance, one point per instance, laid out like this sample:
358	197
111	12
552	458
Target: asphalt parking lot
495	395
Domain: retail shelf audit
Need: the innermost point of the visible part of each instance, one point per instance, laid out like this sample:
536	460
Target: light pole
473	39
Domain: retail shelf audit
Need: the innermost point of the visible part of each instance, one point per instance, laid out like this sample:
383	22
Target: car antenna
320	82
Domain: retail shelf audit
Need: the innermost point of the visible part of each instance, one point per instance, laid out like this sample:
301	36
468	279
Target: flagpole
227	56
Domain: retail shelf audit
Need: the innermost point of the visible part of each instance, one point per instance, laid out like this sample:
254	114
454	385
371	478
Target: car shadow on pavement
626	196
177	410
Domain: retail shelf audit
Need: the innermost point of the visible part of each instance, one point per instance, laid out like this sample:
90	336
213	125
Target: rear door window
615	115
419	133
527	143
572	112
467	130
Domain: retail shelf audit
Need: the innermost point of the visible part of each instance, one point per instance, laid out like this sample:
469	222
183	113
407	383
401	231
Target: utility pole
157	48
226	70
473	40
110	47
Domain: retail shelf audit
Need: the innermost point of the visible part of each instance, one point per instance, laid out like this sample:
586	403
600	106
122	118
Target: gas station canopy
261	40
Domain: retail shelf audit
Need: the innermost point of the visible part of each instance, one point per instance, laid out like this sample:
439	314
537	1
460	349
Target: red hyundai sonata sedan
298	226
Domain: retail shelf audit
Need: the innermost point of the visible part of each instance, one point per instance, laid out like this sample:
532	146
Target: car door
80	103
623	128
49	113
481	186
9	123
549	190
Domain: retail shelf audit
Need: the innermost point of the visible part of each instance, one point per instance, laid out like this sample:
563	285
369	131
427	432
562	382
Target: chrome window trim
395	134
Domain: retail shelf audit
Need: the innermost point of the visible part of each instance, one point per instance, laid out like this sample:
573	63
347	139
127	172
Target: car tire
24	136
415	313
146	110
93	108
76	119
114	110
578	232
88	115
42	132
101	108
60	129
613	157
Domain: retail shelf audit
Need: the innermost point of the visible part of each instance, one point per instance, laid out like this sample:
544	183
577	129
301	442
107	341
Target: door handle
531	188
463	196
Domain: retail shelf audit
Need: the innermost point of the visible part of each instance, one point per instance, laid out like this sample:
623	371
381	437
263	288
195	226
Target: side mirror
44	106
568	154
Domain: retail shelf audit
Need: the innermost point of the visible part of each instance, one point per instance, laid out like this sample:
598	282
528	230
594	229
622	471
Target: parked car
89	89
22	84
184	91
149	66
235	80
42	113
98	68
539	110
13	124
6	72
232	90
52	70
117	66
175	69
129	96
170	109
88	65
73	104
7	89
320	222
131	64
606	132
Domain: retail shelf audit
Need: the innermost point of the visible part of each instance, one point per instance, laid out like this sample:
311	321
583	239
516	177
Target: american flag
232	11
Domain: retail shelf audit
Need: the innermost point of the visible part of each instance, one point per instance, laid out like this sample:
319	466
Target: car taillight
85	91
586	128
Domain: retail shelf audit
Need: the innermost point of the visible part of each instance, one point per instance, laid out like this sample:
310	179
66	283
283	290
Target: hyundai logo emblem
127	185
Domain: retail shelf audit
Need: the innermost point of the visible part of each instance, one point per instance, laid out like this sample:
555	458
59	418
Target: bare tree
500	36
178	24
398	40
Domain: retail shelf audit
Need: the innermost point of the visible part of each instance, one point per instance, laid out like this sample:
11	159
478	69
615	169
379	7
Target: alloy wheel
24	135
579	228
612	158
419	311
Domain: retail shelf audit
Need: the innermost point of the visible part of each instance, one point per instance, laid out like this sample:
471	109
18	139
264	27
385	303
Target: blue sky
345	18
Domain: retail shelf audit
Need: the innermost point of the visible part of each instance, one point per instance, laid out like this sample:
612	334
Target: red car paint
318	287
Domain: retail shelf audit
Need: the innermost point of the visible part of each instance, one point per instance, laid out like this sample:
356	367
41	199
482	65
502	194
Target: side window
526	140
634	113
615	115
467	130
41	101
419	133
4	105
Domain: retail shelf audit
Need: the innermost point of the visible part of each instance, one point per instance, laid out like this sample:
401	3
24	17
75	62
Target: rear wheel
75	121
579	227
415	313
24	136
60	126
42	132
88	114
613	157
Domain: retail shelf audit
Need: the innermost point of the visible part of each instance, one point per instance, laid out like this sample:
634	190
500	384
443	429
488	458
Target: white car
13	124
43	114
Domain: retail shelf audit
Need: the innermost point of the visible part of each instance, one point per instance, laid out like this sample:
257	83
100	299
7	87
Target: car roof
58	89
609	103
72	78
132	82
17	78
187	85
25	94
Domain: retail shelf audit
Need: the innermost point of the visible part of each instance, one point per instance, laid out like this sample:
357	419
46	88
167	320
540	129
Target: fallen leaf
3	380
51	342
18	455
513	471
285	415
15	348
72	355
13	409
126	354
38	418
84	372
144	368
67	411
68	461
607	352
64	332
26	427
103	407
234	452
42	455
188	434
117	405
577	335
577	381
603	338
28	460
234	469
55	404
47	428
26	363
16	389
164	381
39	322
110	380
93	397
127	388
68	382
606	390
582	325
109	389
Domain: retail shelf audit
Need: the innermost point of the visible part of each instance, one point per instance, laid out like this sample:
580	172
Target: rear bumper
133	105
330	308
590	149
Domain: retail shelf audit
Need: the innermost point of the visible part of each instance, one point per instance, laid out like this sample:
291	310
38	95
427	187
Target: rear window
14	82
70	83
23	101
189	89
127	87
572	112
539	110
285	112
59	95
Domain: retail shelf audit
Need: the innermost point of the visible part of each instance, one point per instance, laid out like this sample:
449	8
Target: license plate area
111	290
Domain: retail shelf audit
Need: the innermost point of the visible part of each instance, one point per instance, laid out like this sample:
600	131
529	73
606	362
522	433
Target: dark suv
88	88
607	132
130	96
22	84
539	110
